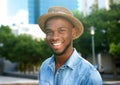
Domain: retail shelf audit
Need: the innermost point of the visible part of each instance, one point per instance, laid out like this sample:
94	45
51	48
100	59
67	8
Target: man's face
59	35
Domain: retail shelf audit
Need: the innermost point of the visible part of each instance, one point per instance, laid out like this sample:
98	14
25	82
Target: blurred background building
39	7
28	11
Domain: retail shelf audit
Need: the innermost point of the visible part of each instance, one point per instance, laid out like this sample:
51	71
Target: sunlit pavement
5	80
111	82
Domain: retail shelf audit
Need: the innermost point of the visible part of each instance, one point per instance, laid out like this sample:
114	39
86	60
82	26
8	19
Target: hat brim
78	25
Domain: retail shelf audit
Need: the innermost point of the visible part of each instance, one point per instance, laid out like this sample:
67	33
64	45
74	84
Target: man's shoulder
47	61
89	73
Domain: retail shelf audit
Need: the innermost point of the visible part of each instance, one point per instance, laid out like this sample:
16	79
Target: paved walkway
5	80
111	82
109	79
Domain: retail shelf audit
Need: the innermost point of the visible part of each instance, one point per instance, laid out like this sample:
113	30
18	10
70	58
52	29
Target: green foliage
7	38
77	14
114	29
107	25
23	48
115	49
45	50
83	44
114	24
26	50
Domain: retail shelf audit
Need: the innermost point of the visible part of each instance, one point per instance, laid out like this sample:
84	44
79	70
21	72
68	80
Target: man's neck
60	60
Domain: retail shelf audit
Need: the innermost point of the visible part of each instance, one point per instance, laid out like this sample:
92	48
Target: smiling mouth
56	44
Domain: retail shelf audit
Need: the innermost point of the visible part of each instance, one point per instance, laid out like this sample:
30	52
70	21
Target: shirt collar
71	62
52	63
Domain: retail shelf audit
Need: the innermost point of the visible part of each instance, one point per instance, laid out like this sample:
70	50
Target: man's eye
61	31
48	32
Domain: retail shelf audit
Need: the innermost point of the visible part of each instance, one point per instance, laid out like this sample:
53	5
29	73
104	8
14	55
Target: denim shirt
76	71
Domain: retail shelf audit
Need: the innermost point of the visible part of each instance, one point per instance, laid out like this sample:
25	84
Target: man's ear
73	32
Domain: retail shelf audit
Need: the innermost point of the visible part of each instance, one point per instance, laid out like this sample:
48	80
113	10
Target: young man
65	66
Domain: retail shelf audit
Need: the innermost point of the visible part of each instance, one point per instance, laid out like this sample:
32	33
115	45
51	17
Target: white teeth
56	43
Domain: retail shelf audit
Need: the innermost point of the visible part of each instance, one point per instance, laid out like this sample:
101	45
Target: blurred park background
22	43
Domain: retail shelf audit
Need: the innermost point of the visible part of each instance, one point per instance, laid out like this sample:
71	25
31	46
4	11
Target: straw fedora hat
62	12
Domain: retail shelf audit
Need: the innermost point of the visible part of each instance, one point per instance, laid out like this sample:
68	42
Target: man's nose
55	35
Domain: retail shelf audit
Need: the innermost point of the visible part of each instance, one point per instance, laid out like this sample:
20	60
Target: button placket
57	78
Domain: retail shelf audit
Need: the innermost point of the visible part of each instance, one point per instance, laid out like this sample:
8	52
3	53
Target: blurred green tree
107	25
45	50
83	44
114	29
7	38
22	48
